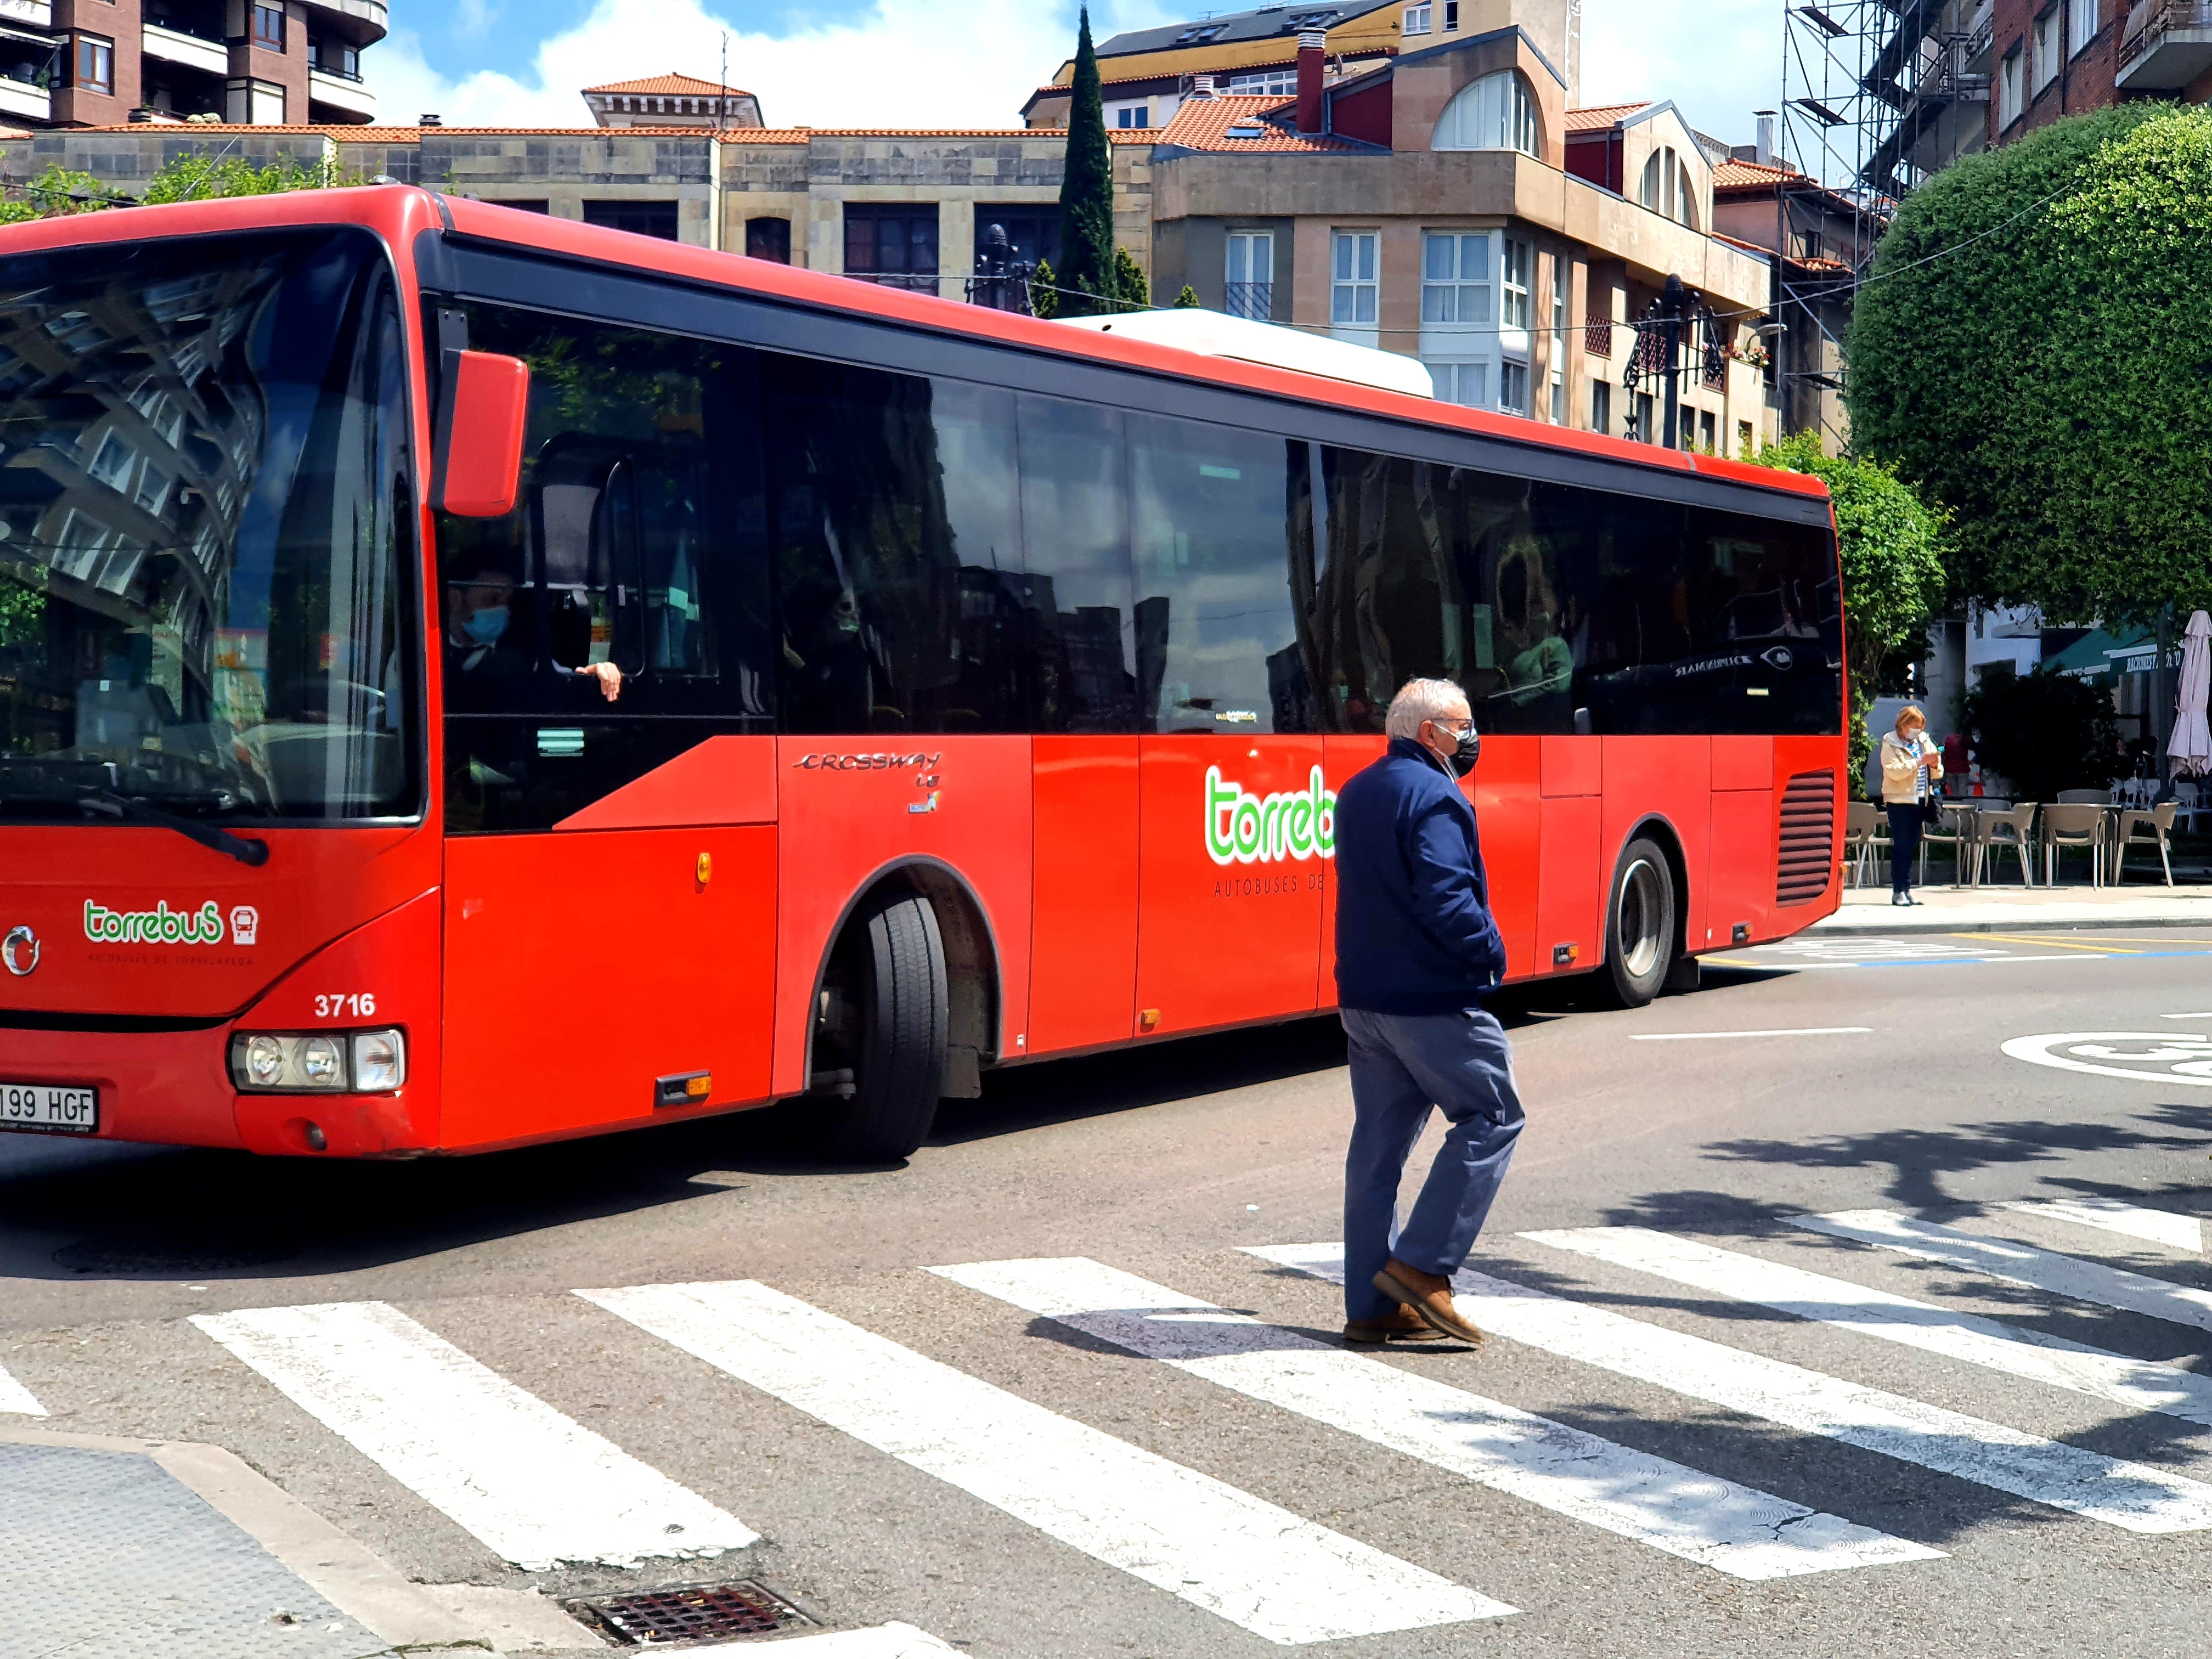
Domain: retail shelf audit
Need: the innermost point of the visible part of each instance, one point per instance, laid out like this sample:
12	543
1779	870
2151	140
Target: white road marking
2180	1232
1908	961
536	1486
2140	1384
2183	1058
2208	1015
16	1399
1735	1529
1703	1037
2133	1496
879	1642
2019	1264
1221	1549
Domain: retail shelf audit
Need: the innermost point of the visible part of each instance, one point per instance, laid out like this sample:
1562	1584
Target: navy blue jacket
1413	933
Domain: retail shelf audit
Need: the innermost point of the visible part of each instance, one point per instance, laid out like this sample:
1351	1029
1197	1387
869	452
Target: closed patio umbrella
2191	745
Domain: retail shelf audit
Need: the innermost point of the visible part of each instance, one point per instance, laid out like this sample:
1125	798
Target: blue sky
928	63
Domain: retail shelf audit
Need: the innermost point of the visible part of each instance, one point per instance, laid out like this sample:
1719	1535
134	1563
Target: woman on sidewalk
1911	767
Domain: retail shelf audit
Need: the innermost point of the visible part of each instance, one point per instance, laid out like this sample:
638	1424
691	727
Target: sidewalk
1994	908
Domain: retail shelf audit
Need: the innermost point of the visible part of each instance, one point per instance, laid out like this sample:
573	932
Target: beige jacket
1900	769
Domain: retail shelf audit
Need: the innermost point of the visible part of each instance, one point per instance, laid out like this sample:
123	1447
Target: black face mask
1461	760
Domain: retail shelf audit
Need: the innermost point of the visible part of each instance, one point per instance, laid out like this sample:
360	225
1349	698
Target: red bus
469	679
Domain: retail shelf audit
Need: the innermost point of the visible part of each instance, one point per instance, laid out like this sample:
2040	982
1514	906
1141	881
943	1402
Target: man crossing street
1416	952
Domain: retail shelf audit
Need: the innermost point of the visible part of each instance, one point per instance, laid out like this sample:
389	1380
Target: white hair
1421	700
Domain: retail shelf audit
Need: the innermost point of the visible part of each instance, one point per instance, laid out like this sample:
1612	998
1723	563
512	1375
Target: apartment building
104	63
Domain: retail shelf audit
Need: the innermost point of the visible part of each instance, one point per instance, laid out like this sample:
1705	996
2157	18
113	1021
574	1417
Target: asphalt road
1965	1487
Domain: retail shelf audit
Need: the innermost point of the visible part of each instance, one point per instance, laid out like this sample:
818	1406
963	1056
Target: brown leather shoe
1428	1295
1403	1326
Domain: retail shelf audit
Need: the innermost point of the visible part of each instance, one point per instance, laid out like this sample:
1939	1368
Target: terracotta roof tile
1204	123
1736	175
674	85
1599	117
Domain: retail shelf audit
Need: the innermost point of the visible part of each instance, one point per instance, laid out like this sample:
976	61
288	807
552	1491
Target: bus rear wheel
881	1038
1639	924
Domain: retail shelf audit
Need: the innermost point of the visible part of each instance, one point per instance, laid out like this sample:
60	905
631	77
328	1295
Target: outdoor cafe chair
2074	823
2158	821
1863	822
1957	826
2001	828
2186	797
2078	797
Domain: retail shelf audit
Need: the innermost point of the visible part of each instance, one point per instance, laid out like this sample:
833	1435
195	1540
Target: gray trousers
1403	1066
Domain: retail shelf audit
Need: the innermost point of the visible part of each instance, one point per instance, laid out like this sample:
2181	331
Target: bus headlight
379	1061
318	1062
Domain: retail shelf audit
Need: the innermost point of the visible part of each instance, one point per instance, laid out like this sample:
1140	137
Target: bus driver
482	605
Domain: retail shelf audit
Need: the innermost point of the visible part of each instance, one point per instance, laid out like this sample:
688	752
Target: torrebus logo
159	925
1247	829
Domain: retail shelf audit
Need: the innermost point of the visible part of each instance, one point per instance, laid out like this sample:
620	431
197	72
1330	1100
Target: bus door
610	789
1739	871
1236	822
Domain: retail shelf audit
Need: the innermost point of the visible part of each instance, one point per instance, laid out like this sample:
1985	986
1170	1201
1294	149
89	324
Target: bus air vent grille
1807	849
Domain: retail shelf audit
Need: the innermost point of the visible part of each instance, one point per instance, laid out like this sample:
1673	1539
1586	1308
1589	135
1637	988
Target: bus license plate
49	1109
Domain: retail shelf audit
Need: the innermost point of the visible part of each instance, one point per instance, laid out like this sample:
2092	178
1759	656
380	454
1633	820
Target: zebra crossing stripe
532	1485
16	1398
1736	1529
2132	1495
2019	1264
1235	1555
2139	1384
2180	1232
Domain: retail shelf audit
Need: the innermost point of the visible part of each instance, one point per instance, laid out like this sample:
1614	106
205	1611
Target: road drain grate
691	1613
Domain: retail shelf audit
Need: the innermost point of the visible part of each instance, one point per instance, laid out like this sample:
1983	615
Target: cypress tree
1086	191
1130	287
1187	299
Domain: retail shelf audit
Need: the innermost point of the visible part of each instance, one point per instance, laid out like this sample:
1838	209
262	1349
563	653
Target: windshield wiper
246	849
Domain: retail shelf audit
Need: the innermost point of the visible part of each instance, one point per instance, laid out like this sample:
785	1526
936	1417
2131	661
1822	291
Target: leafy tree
2043	732
1891	543
2026	351
1130	286
1044	297
1187	299
1086	190
57	191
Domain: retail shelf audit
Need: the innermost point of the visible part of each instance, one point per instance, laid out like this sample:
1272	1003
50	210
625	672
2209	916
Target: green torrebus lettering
1247	829
159	925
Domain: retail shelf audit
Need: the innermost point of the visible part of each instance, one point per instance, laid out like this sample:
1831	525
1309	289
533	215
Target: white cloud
1718	60
904	64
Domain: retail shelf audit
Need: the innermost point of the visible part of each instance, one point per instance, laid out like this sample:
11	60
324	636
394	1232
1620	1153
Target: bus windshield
206	532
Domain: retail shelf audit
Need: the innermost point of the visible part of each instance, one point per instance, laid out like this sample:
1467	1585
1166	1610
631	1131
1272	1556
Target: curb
1830	926
427	1621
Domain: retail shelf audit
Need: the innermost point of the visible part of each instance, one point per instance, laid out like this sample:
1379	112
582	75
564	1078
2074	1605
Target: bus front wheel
1639	924
882	1036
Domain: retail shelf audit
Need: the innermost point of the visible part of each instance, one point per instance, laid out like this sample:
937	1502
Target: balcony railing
1253	300
1597	337
198	25
2173	47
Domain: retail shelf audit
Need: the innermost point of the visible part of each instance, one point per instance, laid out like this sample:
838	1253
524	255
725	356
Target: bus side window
1075	515
591	567
1216	650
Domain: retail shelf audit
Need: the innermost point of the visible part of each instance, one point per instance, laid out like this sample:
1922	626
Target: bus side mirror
480	438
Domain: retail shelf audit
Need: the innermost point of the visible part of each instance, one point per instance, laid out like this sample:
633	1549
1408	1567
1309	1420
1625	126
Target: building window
1417	17
2046	49
1513	387
1668	188
95	63
1461	383
1248	277
335	58
253	103
1743	439
1515	270
1353	300
1707	432
768	239
1563	277
656	219
1558	398
2081	25
1601	406
892	243
1451	16
1495	113
2010	82
1132	115
269	28
1277	83
1032	229
1455	279
1647	430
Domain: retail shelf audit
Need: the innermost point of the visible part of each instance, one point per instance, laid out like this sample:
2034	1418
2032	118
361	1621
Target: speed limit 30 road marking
2180	1057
